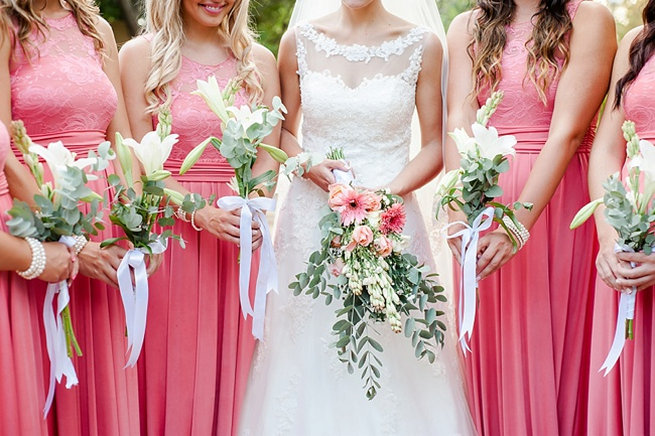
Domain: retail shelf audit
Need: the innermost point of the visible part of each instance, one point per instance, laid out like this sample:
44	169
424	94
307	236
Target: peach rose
338	195
362	235
336	268
383	246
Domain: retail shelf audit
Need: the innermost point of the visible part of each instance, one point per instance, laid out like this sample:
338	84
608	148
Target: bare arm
462	104
267	68
581	90
428	162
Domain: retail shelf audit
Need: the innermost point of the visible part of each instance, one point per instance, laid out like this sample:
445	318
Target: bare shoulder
592	13
629	38
432	46
262	55
135	49
462	25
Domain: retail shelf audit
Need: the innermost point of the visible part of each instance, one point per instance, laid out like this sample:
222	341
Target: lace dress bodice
522	112
359	98
638	103
192	118
60	88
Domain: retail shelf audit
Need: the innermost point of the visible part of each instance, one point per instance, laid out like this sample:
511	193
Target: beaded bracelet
38	260
193	222
80	243
520	233
181	215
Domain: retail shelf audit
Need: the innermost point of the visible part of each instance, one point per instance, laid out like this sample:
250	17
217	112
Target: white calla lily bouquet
472	189
630	210
243	130
59	218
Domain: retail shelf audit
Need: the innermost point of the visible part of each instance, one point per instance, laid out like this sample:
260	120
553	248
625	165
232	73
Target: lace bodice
638	103
62	86
522	112
359	98
4	151
192	119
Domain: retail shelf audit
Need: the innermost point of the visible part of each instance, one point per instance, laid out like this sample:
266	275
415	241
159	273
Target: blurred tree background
271	17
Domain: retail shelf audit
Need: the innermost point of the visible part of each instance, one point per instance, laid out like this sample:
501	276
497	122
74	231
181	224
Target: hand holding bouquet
472	189
146	219
59	218
630	209
243	130
361	262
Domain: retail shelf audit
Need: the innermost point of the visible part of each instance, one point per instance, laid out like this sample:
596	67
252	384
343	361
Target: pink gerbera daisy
392	220
351	205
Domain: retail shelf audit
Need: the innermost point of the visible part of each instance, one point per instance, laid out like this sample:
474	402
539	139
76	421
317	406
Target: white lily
58	157
213	96
645	161
465	144
492	145
246	117
152	151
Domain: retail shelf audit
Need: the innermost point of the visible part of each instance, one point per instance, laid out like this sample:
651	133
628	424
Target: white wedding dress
362	99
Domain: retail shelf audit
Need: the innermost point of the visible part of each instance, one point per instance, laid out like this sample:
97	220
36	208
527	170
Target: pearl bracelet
520	233
38	260
193	222
181	215
80	243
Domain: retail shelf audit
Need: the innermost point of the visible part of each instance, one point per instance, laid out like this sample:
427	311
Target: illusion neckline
219	64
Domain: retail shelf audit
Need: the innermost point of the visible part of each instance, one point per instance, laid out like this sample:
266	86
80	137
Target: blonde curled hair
164	23
26	20
547	47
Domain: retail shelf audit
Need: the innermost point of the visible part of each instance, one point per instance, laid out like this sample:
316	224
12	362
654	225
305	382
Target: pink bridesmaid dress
22	392
62	94
198	347
527	374
623	403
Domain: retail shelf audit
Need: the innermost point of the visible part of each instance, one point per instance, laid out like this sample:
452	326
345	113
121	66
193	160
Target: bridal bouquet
361	263
630	209
243	130
146	219
59	218
472	189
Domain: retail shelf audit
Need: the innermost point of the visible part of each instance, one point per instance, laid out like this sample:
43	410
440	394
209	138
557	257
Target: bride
356	76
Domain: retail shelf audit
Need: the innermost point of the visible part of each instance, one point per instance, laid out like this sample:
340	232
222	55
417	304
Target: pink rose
383	246
336	268
362	235
336	241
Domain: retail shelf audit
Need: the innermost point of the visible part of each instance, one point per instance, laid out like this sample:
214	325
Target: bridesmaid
198	347
623	403
59	74
21	392
526	373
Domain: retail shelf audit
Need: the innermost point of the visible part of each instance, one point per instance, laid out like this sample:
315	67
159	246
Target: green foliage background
271	17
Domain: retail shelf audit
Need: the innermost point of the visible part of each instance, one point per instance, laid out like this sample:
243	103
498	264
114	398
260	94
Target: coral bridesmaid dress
22	392
623	403
526	374
62	94
198	347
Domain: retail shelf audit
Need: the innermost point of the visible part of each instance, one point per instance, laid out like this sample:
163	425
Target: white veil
423	13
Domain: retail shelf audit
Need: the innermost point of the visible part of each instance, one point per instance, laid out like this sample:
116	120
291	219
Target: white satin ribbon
626	312
469	283
135	298
60	363
254	208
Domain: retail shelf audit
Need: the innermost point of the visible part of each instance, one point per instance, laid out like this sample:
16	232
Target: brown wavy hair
641	50
26	19
164	23
548	44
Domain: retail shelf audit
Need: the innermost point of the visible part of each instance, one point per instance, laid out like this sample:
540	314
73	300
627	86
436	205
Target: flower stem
629	329
71	340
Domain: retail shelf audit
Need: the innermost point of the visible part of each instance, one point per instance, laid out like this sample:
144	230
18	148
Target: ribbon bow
135	298
626	312
470	236
60	362
254	208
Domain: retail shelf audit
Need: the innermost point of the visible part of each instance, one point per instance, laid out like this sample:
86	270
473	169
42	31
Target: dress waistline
79	141
530	140
201	171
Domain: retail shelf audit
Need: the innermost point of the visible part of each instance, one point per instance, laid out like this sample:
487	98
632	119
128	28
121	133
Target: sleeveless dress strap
301	51
572	7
